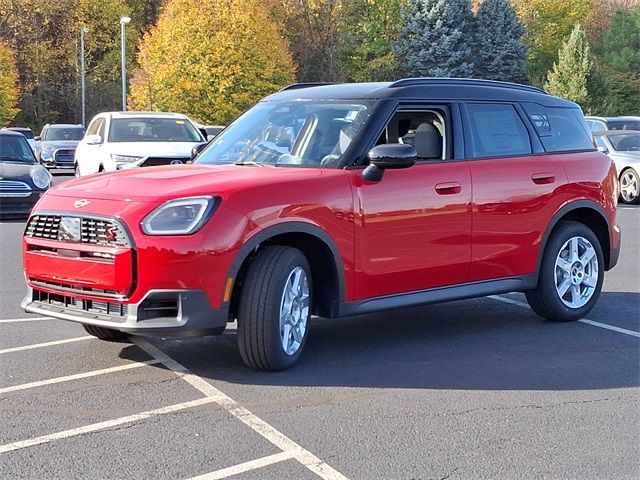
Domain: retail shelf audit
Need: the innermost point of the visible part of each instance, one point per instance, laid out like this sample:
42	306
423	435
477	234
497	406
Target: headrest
428	142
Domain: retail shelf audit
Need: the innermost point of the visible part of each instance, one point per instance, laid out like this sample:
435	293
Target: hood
153	149
154	184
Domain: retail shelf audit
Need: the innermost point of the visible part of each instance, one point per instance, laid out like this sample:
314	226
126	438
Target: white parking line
246	467
77	376
47	344
20	320
9	447
606	326
306	458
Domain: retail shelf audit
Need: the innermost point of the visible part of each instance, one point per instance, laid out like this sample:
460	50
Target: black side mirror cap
197	149
389	156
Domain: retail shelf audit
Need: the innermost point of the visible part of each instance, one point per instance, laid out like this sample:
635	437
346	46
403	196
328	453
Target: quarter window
497	131
566	129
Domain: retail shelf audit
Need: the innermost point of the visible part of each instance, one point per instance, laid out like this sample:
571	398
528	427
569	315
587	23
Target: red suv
336	200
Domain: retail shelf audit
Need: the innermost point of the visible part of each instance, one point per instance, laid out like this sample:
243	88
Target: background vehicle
56	145
337	200
122	140
28	134
22	179
613	123
623	146
213	130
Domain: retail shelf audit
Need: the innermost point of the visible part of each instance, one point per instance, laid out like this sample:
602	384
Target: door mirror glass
389	156
93	139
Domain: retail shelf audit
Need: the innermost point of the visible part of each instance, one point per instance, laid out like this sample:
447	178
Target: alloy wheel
629	186
294	311
576	272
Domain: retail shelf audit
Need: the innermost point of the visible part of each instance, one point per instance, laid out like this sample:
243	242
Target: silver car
56	145
623	146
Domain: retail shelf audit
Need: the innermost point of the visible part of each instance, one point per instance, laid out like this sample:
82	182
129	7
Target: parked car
213	131
312	202
123	140
623	146
613	123
28	134
56	145
22	179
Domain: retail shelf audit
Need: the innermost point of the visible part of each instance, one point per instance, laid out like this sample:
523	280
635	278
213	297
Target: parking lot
479	388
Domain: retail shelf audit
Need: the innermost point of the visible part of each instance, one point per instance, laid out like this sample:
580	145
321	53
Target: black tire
634	200
105	333
259	339
545	299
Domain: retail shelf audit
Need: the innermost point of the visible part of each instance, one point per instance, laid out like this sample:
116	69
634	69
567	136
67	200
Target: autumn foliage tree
211	65
8	85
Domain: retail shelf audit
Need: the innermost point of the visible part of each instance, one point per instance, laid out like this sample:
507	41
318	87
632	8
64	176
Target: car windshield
624	124
626	143
64	133
15	149
289	133
153	130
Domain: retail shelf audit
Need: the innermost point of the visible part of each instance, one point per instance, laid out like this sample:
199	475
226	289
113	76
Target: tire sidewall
636	200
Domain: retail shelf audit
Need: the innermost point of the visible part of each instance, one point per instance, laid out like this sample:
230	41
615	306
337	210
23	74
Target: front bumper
161	312
18	204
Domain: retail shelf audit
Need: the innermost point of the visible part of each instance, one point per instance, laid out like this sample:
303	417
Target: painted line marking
77	376
9	447
20	320
306	458
47	344
605	326
246	467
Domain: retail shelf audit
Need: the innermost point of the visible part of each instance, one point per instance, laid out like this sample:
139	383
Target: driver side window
424	129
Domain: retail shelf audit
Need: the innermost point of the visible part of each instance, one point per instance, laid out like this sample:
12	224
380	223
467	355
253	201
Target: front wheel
629	187
571	274
275	308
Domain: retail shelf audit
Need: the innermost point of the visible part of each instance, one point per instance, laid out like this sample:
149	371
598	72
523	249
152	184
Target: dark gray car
56	145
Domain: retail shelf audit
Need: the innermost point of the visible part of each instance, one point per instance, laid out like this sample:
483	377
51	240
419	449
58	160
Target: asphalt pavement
473	389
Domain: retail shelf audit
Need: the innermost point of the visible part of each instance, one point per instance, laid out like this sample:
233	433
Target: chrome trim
14	185
60	287
15	195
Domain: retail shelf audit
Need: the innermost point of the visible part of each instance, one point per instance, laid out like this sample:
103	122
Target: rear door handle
543	178
448	188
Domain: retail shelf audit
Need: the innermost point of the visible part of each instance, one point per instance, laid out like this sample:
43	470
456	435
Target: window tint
55	133
497	131
624	124
566	129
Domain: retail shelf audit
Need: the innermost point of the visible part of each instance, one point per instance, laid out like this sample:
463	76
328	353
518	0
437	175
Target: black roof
10	133
445	89
18	129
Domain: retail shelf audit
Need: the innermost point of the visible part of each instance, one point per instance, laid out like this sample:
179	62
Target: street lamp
83	30
123	22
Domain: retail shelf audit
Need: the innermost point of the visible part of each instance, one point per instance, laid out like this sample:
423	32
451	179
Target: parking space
479	388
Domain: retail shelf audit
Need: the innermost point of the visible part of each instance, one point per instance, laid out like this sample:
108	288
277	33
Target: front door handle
448	188
543	178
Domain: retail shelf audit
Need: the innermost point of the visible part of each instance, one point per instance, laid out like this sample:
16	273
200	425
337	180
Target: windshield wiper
249	162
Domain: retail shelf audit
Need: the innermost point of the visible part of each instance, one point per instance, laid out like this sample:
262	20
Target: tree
212	66
500	53
8	85
435	39
367	31
570	74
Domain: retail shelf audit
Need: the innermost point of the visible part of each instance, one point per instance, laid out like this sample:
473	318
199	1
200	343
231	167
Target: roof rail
297	86
409	82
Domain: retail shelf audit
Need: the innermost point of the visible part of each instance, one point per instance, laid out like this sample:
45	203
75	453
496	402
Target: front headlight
41	178
183	216
124	158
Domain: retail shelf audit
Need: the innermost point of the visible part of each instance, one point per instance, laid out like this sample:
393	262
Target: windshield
64	133
153	130
289	133
626	143
15	149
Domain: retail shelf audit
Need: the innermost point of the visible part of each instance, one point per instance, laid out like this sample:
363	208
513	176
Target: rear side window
560	129
497	131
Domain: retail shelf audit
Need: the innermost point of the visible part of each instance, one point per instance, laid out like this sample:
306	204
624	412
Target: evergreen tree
569	76
435	39
500	53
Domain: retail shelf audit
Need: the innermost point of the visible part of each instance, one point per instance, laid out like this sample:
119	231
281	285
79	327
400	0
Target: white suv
122	140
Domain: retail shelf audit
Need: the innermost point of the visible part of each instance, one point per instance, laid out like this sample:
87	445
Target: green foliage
210	66
570	74
500	53
8	85
366	35
435	39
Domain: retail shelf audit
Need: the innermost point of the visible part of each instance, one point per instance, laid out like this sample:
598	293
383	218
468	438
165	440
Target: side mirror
390	156
93	139
603	149
37	138
197	149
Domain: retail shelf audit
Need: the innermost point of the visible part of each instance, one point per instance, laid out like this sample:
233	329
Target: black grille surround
100	308
93	230
157	161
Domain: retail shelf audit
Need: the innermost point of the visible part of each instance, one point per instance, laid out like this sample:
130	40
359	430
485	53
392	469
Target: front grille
157	161
13	186
116	311
64	156
94	231
65	287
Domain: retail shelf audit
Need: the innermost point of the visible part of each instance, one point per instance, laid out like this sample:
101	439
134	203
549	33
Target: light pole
123	54
83	30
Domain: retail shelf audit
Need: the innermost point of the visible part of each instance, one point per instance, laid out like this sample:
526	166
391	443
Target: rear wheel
630	186
571	274
274	308
105	333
